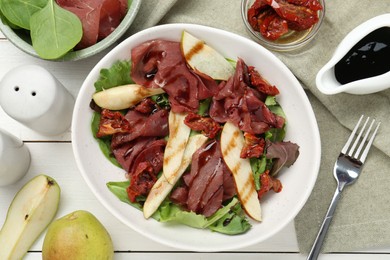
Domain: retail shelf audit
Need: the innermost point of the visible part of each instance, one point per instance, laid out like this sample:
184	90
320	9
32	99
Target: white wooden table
53	156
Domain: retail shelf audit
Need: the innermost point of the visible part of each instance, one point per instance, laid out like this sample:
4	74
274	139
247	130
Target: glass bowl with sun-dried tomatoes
283	25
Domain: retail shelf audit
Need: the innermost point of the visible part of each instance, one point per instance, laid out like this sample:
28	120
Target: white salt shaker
34	97
14	158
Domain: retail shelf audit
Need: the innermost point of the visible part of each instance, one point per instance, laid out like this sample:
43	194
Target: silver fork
346	171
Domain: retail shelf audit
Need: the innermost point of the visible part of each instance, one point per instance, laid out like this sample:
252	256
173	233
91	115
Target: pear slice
30	212
232	142
163	187
201	57
179	134
123	97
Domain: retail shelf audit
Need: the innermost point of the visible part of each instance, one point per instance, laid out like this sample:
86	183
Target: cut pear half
30	212
201	57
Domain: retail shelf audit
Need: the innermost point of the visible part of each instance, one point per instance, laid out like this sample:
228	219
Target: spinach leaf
104	142
19	12
118	74
6	21
54	31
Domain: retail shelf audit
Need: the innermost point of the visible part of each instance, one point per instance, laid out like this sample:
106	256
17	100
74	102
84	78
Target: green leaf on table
19	12
54	31
118	74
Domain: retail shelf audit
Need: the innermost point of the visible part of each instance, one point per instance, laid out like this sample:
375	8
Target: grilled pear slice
179	134
163	187
201	57
123	97
232	142
30	212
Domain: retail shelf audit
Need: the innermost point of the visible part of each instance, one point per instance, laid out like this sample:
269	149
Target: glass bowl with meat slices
66	30
195	144
283	25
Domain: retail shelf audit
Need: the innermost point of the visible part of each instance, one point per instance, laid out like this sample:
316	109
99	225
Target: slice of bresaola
98	17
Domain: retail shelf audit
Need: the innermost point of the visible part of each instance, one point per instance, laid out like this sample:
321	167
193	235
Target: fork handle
315	250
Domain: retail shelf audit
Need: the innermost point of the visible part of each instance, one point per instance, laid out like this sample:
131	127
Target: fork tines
363	140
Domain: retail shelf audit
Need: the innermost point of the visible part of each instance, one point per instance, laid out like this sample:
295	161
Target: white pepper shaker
14	158
34	97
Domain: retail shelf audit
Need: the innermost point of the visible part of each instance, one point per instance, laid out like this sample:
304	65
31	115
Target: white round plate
278	209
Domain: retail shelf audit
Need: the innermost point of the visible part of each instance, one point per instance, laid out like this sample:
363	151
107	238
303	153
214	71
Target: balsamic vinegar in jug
368	58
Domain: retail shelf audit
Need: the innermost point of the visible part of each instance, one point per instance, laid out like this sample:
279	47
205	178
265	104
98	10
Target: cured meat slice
239	103
98	17
142	124
160	64
208	184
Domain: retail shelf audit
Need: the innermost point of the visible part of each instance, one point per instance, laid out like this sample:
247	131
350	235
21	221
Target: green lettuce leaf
232	223
118	74
275	134
230	219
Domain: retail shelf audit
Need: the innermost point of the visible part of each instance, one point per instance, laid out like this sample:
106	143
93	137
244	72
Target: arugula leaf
258	167
19	12
161	100
118	74
104	142
54	31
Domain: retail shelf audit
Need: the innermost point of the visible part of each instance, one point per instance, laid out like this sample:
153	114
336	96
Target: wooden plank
231	256
57	161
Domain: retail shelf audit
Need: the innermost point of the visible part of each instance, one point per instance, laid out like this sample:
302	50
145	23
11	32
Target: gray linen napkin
362	219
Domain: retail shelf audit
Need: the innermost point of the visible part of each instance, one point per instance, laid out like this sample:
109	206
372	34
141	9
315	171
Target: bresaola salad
200	137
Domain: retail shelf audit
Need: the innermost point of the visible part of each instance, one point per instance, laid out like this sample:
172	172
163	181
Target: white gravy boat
326	81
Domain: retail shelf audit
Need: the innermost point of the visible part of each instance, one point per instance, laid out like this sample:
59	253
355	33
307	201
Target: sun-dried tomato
141	181
314	5
267	183
146	106
300	17
272	26
254	11
274	18
205	125
112	122
254	146
258	82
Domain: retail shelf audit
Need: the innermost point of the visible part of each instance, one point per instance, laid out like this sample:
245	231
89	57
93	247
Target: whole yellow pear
78	235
